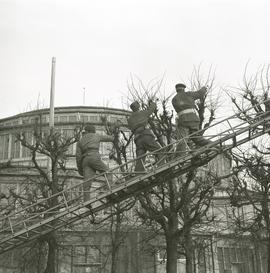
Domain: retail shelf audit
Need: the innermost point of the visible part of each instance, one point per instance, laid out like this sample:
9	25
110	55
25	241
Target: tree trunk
268	254
189	253
266	213
50	238
172	244
114	256
114	262
171	248
51	259
116	241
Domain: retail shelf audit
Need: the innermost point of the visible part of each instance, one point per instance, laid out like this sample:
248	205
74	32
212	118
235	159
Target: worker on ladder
143	137
88	158
187	117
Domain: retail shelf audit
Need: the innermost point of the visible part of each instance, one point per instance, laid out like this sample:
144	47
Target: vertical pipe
51	120
51	123
84	96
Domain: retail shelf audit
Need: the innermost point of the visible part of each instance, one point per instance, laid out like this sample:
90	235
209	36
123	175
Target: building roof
69	109
67	115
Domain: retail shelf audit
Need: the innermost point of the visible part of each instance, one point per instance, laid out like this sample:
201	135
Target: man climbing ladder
187	118
88	158
143	137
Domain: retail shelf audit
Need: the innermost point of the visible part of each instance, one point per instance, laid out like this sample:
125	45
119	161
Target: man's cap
90	128
134	105
180	86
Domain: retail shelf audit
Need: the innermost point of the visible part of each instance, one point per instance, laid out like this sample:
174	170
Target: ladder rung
145	180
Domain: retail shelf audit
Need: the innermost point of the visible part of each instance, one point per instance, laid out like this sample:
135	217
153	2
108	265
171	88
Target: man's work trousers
183	133
91	164
145	143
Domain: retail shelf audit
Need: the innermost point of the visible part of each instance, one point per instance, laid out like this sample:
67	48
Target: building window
220	214
93	119
72	119
231	259
249	214
25	151
84	118
86	259
105	148
162	259
120	119
4	140
44	119
64	259
68	134
63	118
15	147
204	256
113	119
229	215
123	119
25	121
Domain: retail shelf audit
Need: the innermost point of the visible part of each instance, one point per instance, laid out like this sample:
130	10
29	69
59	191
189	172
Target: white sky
99	44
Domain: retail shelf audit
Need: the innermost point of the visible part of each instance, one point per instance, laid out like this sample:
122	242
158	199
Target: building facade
85	247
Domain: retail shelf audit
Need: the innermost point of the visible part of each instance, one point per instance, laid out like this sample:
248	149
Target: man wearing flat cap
187	117
88	158
143	137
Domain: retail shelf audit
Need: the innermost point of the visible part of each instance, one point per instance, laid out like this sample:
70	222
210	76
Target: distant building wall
86	248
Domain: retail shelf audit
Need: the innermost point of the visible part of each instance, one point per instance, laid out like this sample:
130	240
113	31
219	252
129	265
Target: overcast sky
99	44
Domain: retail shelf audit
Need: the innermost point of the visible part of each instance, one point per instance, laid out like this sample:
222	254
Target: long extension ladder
121	183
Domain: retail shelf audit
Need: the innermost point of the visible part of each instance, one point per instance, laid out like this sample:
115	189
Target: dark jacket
138	121
89	143
184	104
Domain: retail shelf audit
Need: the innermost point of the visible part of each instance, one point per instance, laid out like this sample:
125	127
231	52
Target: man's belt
142	132
187	111
139	129
90	151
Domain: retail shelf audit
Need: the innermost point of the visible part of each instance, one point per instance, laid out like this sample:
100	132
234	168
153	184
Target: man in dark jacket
88	158
187	118
143	137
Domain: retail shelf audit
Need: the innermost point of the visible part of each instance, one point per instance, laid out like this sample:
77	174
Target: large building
86	247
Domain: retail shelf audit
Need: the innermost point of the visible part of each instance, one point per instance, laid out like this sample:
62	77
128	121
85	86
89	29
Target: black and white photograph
134	136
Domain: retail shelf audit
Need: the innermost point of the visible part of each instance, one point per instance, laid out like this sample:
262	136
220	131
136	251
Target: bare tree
118	220
54	146
251	180
178	205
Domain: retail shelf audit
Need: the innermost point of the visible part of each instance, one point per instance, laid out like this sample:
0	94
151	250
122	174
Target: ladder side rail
36	234
52	211
256	134
248	126
42	222
236	117
81	183
232	128
243	130
78	185
118	168
20	221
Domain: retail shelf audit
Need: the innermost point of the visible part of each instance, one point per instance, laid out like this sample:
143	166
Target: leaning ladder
26	224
